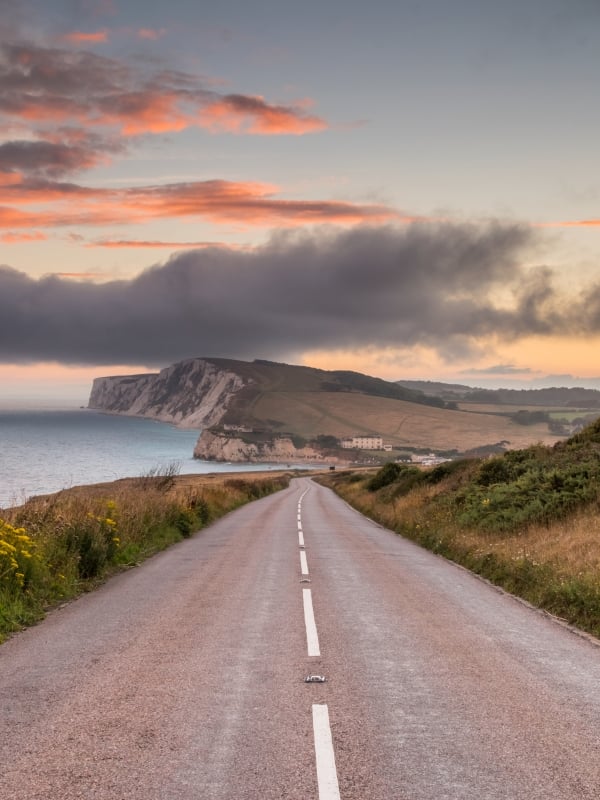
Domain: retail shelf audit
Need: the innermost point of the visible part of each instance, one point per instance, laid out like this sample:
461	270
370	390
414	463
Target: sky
410	189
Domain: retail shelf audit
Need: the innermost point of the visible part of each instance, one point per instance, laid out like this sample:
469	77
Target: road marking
299	517
312	638
326	772
303	563
300	538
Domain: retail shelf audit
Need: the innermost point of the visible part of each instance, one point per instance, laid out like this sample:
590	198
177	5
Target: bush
93	542
384	476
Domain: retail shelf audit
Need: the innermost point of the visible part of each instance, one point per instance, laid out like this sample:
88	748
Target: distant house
363	443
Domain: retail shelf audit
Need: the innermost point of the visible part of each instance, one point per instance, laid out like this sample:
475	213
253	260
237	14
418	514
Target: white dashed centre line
312	638
303	563
327	779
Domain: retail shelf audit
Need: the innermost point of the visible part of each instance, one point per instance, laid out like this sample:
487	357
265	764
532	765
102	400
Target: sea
44	451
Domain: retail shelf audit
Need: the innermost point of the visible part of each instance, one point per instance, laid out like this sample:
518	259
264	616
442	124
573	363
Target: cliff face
280	449
191	394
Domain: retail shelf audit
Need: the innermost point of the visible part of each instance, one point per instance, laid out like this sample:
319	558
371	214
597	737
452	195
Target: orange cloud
147	112
20	238
248	114
77	37
27	191
132	243
225	202
149	33
580	223
247	203
43	86
10	179
79	276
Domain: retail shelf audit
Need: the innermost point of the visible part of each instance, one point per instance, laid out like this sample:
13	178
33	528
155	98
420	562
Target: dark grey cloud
55	159
442	285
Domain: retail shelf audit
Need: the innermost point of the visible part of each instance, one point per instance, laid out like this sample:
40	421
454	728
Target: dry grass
403	424
571	548
56	546
555	566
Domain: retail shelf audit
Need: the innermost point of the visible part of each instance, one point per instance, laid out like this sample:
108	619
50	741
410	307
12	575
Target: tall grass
53	548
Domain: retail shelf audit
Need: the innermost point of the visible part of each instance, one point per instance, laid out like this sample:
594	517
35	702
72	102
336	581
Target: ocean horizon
44	450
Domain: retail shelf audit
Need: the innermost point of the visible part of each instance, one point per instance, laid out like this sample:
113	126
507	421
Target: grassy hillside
558	396
310	402
270	376
404	424
528	520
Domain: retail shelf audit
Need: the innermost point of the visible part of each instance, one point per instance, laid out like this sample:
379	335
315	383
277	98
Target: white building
363	443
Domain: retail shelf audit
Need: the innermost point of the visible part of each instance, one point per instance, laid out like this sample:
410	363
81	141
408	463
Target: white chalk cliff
207	393
280	449
190	394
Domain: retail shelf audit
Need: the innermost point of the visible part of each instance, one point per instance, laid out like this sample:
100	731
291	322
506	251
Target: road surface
185	678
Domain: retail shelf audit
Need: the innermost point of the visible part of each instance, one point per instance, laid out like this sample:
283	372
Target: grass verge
55	547
528	521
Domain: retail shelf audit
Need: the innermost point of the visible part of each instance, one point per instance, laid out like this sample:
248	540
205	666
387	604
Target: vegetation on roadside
528	520
55	547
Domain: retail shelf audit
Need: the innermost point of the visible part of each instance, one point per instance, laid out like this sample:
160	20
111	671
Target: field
401	423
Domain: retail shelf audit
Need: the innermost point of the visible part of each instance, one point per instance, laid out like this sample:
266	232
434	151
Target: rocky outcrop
280	449
191	394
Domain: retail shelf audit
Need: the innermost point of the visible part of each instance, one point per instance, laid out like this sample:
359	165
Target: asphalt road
185	678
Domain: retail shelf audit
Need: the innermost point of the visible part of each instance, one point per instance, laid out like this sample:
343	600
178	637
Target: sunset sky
409	188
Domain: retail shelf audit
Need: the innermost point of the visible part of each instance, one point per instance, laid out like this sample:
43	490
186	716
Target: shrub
384	476
93	542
